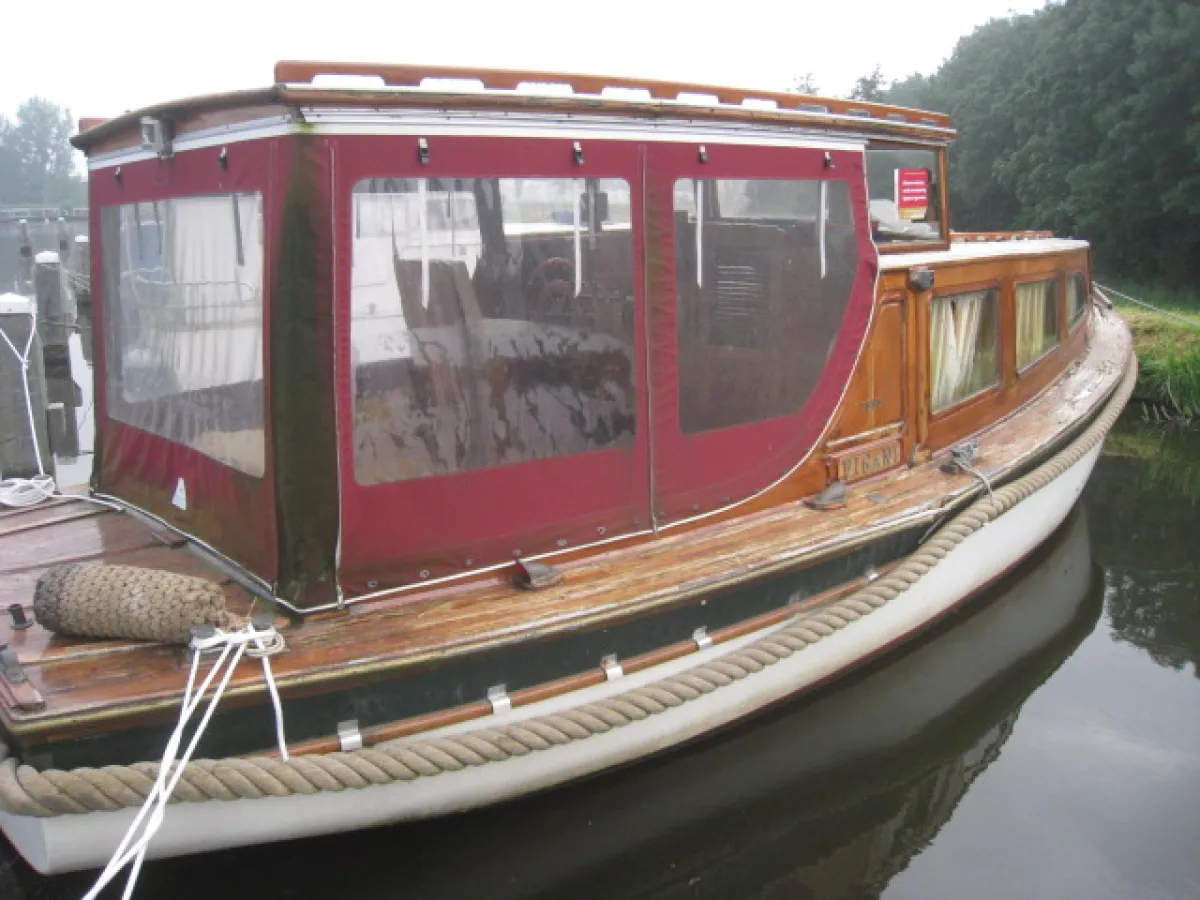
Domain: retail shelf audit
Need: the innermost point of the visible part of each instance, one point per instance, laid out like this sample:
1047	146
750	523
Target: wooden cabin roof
380	87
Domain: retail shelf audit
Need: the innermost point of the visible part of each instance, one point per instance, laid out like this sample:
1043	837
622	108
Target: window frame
1052	276
995	285
943	195
1074	323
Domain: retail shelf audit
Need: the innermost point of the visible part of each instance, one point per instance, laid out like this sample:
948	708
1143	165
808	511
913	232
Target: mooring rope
1135	300
26	791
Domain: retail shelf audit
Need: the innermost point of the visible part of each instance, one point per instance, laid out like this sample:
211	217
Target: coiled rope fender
112	601
29	792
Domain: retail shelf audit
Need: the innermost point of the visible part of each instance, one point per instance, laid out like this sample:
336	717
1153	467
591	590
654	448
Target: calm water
1044	744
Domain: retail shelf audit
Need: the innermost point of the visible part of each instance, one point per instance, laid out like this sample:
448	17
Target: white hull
66	843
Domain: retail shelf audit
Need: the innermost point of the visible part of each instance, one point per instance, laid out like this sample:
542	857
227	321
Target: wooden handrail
971	237
306	72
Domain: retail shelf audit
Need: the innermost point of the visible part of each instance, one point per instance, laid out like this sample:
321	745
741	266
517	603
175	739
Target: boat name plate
863	462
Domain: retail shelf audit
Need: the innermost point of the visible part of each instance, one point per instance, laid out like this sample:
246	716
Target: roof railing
293	72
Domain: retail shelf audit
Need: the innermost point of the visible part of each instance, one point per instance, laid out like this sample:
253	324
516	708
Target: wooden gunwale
388	636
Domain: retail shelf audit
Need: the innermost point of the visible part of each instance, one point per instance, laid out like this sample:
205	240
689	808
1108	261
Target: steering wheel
551	286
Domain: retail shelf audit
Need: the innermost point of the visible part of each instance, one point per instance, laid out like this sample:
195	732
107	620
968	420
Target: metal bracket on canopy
612	667
702	638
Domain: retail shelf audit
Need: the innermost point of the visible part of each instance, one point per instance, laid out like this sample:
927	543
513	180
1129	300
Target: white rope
21	492
146	824
1165	312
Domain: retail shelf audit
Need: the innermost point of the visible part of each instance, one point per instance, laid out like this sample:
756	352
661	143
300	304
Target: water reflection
826	799
1144	527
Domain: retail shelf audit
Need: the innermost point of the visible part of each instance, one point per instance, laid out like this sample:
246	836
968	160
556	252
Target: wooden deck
91	686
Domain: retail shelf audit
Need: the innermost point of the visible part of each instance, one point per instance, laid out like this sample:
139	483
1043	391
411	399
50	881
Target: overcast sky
100	59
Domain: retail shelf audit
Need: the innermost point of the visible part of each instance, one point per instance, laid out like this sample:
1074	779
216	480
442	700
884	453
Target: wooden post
18	456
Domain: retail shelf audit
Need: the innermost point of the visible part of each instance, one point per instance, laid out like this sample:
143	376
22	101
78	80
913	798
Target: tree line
36	162
1083	118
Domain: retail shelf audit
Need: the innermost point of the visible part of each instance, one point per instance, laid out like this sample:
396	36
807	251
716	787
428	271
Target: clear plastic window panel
183	323
895	217
764	272
492	323
1037	320
964	346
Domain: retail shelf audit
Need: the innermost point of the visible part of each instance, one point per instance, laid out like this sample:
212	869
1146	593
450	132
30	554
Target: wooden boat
542	422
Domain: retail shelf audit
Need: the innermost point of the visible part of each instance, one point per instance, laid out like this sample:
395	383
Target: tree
806	84
1081	118
36	165
870	88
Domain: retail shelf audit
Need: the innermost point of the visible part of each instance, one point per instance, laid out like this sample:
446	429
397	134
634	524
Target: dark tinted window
764	271
492	323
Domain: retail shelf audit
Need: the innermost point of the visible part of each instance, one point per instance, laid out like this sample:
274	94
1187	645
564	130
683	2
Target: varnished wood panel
875	398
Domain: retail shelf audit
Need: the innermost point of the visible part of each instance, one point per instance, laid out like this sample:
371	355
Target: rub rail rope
28	792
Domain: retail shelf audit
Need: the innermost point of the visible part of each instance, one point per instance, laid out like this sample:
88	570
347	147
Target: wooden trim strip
481	709
306	72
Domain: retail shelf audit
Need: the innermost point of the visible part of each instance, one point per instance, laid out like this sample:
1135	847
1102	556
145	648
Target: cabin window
1037	320
964	346
1076	297
904	195
183	323
492	322
764	271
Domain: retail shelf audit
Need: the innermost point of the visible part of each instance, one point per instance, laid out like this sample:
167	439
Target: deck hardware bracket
118	175
349	737
961	457
612	667
535	576
702	638
497	695
223	158
577	150
921	280
15	689
703	155
828	160
19	621
10	667
423	151
833	497
870	574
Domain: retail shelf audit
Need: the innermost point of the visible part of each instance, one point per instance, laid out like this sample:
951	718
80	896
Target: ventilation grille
739	314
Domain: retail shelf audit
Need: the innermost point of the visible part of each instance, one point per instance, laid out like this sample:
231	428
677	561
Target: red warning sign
912	193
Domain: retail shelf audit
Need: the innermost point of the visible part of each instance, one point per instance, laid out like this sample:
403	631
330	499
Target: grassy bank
1168	349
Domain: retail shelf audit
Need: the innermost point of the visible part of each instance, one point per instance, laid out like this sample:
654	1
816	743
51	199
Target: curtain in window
960	365
1037	320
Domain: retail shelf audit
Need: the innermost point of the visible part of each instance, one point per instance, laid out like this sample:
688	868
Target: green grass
1167	348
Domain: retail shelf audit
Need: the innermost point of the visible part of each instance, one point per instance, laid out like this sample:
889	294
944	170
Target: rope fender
26	791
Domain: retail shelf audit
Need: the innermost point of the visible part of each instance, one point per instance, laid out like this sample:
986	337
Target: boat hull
71	842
